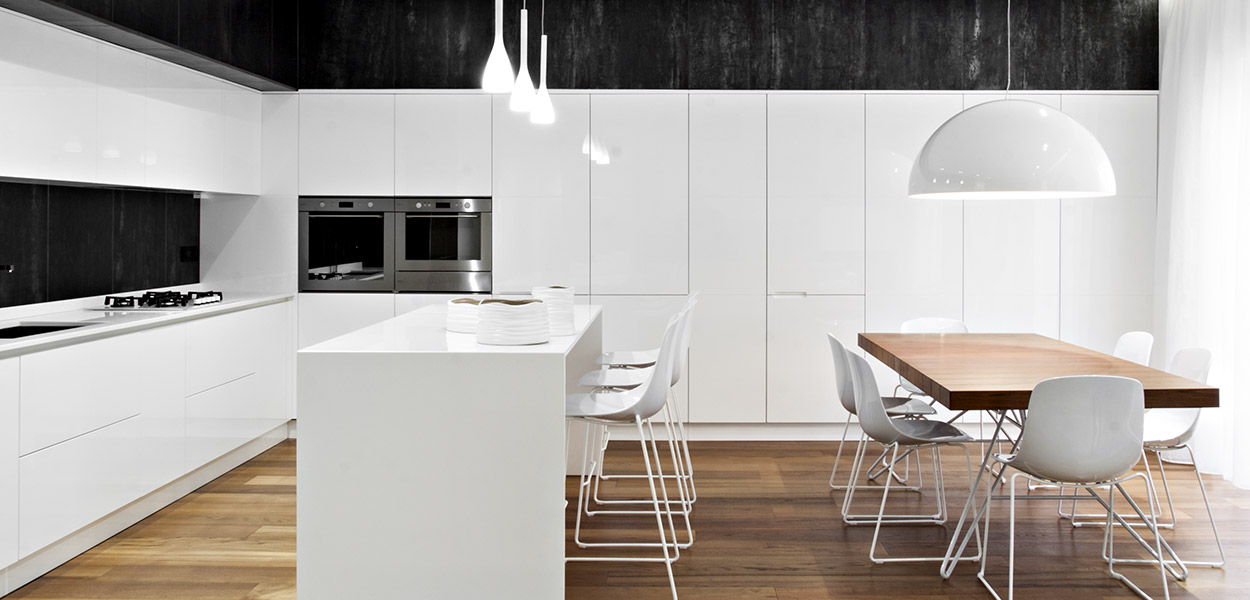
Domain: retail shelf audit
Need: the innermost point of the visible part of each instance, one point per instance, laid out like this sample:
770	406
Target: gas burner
162	300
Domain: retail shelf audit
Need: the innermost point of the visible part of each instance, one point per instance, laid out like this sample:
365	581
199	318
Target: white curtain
1204	212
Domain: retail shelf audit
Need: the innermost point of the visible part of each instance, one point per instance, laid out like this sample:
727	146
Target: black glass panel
346	243
443	237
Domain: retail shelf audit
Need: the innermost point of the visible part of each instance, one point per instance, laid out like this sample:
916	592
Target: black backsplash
740	44
70	242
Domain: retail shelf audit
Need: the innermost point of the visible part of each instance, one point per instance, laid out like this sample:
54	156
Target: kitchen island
431	466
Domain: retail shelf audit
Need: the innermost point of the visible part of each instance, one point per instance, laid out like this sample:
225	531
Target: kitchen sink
28	329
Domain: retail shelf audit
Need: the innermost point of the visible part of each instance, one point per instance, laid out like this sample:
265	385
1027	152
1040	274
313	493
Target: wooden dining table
997	372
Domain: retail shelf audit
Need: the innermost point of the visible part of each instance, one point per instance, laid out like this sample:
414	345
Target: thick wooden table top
995	371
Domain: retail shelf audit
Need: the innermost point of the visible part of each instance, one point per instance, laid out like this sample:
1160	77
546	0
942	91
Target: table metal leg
952	555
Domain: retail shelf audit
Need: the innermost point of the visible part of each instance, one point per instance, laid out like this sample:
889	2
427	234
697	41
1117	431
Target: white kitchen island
430	466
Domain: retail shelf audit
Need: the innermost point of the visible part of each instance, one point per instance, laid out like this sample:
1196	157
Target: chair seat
600	405
897	407
911	388
1166	427
633	358
921	431
615	378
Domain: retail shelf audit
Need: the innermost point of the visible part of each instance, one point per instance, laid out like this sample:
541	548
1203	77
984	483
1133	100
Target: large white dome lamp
1011	149
497	78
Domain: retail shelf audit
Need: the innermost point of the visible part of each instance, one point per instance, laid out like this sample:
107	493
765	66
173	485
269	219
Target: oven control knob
370	205
418	205
467	205
322	204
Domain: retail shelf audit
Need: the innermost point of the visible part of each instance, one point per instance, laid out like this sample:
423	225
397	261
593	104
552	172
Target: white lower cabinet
8	462
801	384
637	323
326	316
228	416
727	360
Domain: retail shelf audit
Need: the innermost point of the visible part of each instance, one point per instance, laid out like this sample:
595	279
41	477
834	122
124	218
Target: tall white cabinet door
915	247
347	144
1011	257
639	225
728	359
801	384
325	316
542	197
8	462
816	193
728	188
442	145
1108	243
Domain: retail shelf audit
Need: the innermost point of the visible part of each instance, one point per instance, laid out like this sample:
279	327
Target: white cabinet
325	316
914	247
542	197
801	384
639	218
637	323
185	144
122	107
727	359
728	187
8	462
347	144
1108	243
241	140
442	145
406	303
816	193
231	346
67	392
47	102
228	416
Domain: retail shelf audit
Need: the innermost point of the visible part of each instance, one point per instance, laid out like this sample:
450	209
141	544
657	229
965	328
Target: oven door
443	241
347	251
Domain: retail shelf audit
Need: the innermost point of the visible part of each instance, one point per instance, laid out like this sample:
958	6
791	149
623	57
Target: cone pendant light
523	91
1011	149
497	78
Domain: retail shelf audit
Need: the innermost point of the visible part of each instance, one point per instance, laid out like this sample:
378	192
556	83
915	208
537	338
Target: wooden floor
766	523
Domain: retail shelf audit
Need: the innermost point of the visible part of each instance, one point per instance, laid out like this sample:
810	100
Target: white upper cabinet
47	101
816	193
542	198
8	462
639	225
728	187
241	140
347	144
801	384
443	145
185	130
914	247
122	113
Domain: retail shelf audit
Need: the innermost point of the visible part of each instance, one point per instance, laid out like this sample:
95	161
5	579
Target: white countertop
424	330
104	324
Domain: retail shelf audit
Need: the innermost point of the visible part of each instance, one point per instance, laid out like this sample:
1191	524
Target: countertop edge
91	334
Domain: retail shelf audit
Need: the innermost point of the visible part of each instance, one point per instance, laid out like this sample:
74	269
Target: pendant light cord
1008	90
542	19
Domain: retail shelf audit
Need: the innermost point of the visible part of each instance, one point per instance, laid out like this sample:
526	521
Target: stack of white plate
512	322
559	301
462	315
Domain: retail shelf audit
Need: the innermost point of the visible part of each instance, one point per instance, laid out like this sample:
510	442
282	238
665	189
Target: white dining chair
639	406
1134	346
1082	432
901	435
895	407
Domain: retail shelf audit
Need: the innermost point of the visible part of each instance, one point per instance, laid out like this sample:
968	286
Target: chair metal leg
837	458
940	489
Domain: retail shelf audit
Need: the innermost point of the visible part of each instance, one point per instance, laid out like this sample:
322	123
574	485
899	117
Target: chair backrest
1134	346
933	325
653	393
683	343
1082	429
842	374
872	416
1193	364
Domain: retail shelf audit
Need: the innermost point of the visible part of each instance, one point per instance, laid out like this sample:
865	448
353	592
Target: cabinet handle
344	216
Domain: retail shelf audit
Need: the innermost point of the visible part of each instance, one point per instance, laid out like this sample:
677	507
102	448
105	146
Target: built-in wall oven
443	244
346	244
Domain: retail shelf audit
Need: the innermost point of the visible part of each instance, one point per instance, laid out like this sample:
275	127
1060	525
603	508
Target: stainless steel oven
443	244
346	244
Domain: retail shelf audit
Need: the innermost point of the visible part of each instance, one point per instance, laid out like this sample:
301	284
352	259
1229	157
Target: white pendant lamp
541	111
523	91
497	78
1011	149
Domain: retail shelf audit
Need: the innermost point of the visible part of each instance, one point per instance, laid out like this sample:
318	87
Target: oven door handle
438	216
345	216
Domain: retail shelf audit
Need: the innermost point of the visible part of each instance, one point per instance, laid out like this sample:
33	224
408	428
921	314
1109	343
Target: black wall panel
69	242
740	44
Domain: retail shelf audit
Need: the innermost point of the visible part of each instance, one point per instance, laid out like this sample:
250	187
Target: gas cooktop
163	301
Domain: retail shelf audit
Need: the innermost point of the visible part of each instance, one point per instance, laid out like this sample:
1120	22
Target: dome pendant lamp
497	78
523	91
1011	149
542	112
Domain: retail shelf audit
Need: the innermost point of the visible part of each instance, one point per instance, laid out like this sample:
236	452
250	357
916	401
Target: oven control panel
456	205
